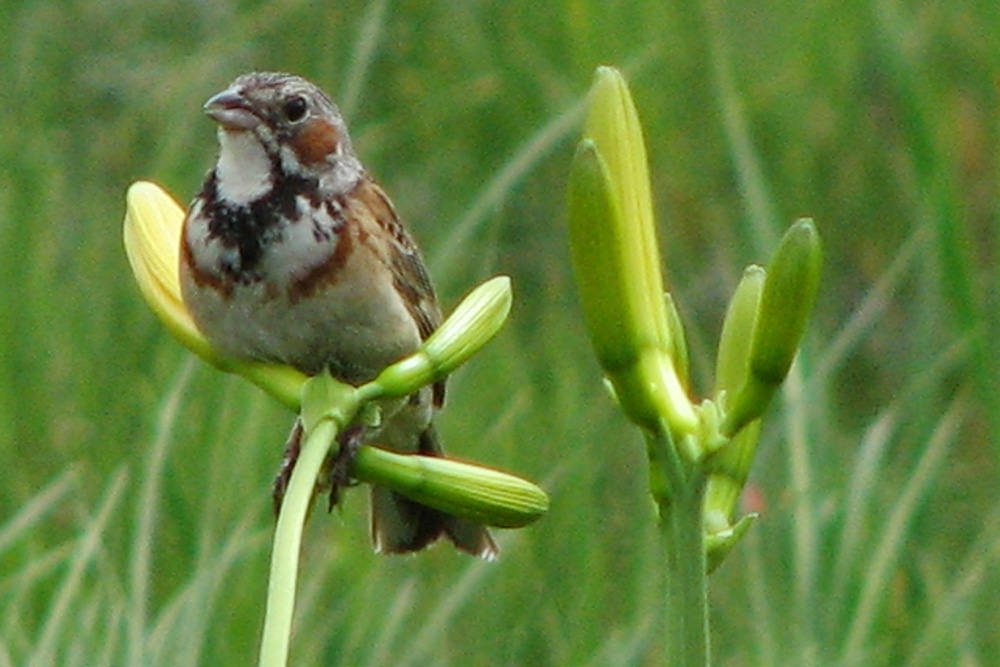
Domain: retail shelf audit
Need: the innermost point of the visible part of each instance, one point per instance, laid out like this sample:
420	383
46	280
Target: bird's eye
295	109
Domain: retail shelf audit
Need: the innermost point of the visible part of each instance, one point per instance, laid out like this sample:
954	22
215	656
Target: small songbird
292	253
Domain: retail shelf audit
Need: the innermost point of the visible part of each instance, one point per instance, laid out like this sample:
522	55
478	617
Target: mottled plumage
292	253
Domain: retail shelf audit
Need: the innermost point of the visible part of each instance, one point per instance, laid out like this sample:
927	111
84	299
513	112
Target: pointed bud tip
144	190
604	74
586	148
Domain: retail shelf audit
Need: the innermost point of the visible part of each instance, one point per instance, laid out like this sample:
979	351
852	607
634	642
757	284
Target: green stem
687	613
683	537
287	541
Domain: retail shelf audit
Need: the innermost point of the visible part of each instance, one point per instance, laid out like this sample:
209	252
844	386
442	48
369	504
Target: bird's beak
232	111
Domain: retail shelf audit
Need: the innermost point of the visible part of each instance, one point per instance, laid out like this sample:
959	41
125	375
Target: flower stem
682	529
287	541
687	613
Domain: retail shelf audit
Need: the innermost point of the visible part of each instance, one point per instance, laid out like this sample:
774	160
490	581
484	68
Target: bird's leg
338	467
292	447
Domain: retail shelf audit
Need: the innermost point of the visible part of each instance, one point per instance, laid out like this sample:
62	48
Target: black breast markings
246	230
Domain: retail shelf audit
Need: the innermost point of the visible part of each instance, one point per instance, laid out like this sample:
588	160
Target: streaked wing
404	259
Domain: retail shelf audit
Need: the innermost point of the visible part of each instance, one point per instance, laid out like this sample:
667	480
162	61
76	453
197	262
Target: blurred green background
134	504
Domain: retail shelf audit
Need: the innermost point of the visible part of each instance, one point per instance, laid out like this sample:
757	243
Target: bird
292	253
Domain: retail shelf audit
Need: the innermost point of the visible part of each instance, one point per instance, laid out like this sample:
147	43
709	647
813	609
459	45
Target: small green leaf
719	544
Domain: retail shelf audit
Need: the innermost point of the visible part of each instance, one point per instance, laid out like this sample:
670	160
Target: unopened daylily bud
785	303
608	309
613	125
470	326
732	361
474	492
616	260
152	232
729	466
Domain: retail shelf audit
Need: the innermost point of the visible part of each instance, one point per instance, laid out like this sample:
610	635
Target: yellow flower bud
617	263
152	233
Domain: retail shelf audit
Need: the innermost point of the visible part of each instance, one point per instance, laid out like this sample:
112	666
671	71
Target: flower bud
731	464
785	303
617	263
733	359
470	326
474	492
152	232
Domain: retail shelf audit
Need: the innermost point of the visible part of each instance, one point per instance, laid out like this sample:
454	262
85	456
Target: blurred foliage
877	482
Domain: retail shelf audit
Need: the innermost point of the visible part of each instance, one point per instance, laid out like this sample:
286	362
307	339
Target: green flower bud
733	359
732	367
481	494
785	303
470	326
616	261
608	307
613	125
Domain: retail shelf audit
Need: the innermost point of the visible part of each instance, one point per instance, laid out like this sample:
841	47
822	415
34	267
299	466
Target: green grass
135	511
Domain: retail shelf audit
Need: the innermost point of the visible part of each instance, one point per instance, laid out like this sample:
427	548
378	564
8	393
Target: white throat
244	169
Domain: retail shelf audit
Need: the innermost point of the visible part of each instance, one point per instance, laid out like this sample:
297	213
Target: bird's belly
353	328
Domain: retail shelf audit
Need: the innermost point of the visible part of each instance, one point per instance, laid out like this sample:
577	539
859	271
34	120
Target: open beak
232	111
